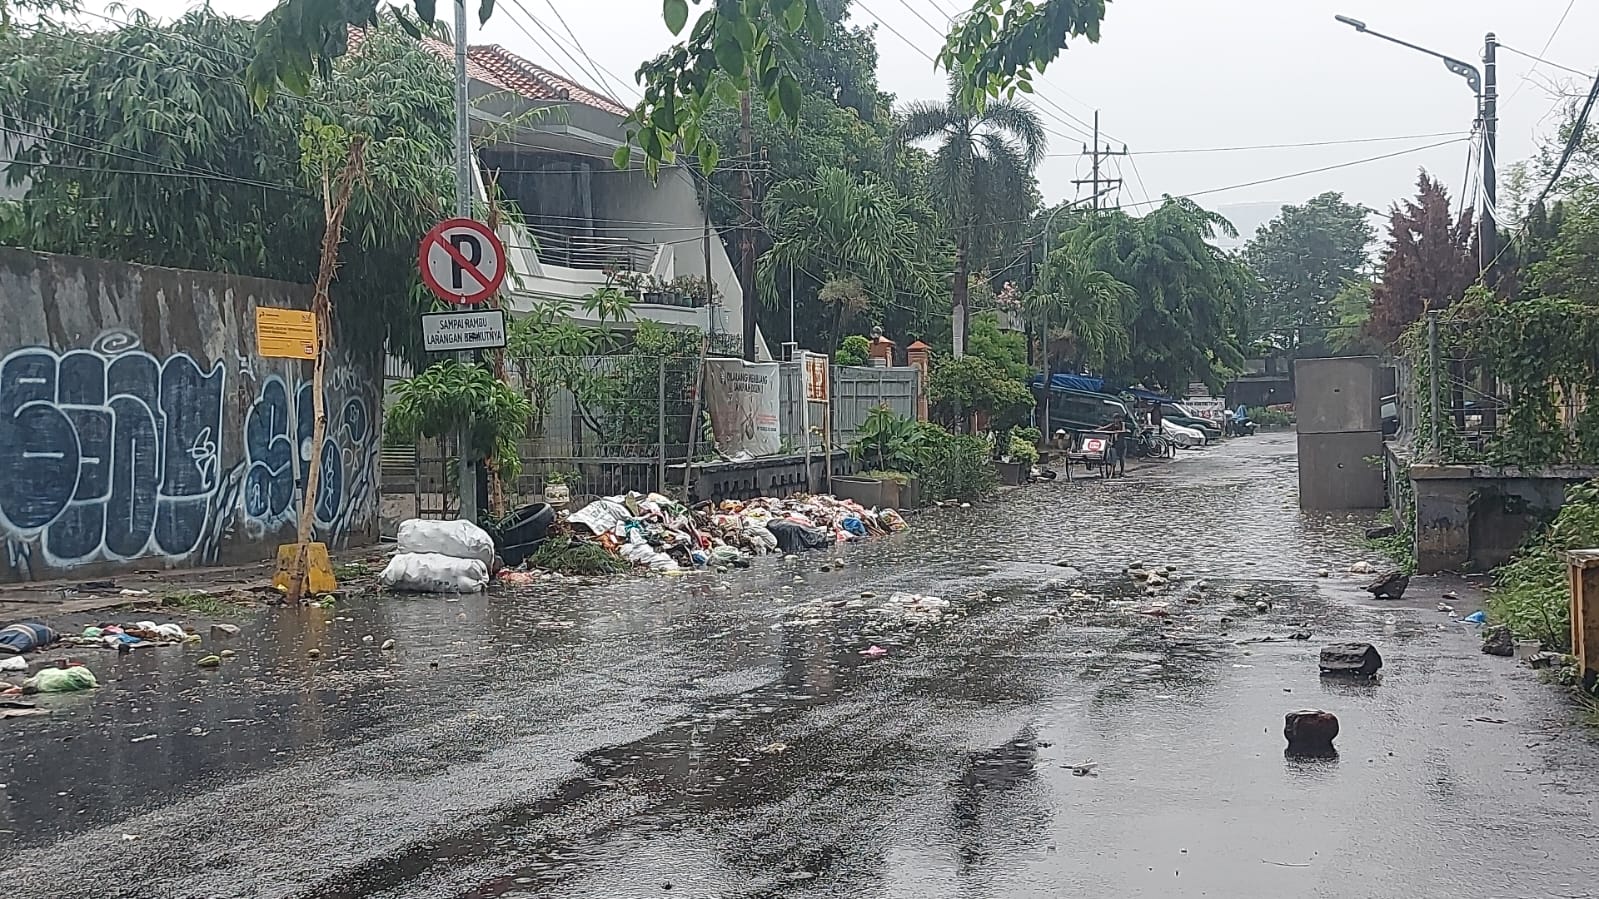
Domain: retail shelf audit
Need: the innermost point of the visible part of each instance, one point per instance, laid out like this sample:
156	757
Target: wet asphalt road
723	736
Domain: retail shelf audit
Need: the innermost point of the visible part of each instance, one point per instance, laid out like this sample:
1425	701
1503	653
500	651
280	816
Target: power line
1540	59
1315	171
1527	76
1290	146
1575	138
581	49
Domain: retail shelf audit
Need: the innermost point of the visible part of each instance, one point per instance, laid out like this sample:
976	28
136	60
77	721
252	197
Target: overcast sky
1184	74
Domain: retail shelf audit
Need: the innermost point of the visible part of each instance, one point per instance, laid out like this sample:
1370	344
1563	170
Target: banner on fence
743	399
815	377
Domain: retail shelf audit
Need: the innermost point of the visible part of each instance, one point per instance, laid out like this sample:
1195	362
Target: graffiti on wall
110	454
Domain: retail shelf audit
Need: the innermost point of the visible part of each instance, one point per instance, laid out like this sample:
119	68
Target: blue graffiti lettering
109	452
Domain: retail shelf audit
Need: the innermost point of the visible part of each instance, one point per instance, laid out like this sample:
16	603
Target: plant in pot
558	487
891	447
1018	461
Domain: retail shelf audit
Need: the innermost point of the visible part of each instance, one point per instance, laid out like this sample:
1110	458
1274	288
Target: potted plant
655	291
890	444
558	487
1018	461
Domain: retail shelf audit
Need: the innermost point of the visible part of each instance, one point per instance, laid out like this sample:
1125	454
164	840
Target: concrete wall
1474	517
138	428
1264	390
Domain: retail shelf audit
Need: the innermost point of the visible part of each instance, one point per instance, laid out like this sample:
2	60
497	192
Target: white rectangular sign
743	400
478	329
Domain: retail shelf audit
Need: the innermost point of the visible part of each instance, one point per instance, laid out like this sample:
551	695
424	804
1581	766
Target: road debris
1350	659
1310	732
1498	641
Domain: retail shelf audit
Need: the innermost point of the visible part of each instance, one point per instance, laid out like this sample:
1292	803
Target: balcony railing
593	251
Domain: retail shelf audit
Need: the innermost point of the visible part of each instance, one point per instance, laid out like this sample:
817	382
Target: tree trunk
322	309
960	292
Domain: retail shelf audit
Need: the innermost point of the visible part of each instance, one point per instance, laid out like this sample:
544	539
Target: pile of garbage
663	535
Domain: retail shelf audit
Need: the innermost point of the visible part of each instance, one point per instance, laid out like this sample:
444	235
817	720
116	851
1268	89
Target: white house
586	220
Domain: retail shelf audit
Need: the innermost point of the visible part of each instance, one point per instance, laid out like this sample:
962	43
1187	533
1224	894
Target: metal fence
628	421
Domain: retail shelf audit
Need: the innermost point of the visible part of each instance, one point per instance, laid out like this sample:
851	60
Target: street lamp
1485	87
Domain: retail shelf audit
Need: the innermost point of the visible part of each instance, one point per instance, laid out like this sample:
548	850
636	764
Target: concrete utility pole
713	306
1488	225
1097	154
746	273
463	208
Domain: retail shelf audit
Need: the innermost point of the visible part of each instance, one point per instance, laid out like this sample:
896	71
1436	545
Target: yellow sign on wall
285	333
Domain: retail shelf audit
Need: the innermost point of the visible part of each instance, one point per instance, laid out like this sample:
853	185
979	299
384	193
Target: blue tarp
1072	382
1149	396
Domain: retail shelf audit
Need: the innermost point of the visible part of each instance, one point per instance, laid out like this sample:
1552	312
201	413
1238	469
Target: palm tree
1087	311
848	241
984	165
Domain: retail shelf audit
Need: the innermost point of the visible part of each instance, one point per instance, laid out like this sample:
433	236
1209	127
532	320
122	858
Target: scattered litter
143	738
60	680
27	636
1450	594
1085	769
224	630
1478	617
13	663
387	645
1486	720
1362	568
457	539
126	591
209	662
874	651
1445	607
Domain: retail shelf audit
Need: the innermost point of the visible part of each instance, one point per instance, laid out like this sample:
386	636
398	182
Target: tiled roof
537	83
494	65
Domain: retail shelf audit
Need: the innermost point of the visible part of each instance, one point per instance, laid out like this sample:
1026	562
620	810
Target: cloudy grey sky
1183	75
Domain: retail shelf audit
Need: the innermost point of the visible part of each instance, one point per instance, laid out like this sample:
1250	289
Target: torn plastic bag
434	573
793	537
60	680
458	539
601	515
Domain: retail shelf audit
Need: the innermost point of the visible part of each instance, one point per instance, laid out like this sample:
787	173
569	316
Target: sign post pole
463	262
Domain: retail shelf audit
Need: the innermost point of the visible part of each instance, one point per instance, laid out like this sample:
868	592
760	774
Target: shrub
1271	418
962	387
1531	591
853	351
1021	450
958	466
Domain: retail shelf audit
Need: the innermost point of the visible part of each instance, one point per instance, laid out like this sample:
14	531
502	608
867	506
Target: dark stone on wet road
1498	641
1310	731
1390	586
1350	659
1380	533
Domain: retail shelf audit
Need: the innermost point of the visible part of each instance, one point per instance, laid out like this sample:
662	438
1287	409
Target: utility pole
746	274
1097	154
713	308
1488	225
465	474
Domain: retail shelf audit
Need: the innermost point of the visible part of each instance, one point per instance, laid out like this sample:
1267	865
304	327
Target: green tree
1087	312
1188	313
983	167
852	244
732	45
144	147
1004	348
1303	258
961	388
1351	311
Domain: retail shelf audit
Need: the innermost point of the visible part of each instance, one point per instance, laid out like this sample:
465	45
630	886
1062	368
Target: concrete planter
873	493
1011	474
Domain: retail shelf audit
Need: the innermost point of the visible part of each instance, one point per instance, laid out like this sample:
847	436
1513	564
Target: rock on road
725	736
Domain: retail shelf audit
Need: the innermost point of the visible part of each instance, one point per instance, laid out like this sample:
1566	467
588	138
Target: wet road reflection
726	735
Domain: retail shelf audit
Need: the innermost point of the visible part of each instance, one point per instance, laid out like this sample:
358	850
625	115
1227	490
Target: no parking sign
462	261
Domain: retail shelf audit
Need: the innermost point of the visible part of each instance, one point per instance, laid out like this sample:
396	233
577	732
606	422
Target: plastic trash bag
13	663
601	515
434	573
25	637
60	680
458	539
